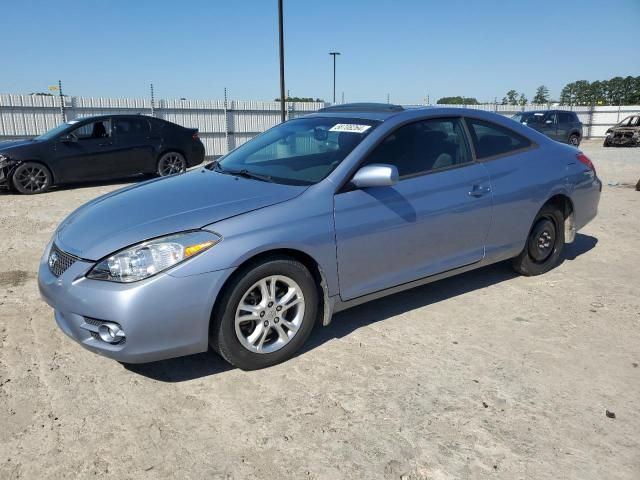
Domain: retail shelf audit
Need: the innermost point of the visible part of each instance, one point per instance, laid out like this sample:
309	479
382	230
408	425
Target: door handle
105	144
478	191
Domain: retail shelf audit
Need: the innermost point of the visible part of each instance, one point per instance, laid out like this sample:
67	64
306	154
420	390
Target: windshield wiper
243	173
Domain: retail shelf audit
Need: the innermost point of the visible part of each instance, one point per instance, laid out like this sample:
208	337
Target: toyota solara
316	215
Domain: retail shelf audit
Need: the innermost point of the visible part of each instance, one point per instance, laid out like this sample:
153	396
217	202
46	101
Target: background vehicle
561	125
626	133
100	147
318	214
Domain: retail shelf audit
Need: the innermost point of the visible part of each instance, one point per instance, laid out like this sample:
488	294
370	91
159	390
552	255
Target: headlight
154	256
4	160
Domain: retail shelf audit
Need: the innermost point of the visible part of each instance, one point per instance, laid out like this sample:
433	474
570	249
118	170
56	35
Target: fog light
110	332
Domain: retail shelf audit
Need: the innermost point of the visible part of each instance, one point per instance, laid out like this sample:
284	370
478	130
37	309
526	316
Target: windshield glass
528	117
298	152
55	131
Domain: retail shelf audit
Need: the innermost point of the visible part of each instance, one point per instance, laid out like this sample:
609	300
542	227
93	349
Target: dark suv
101	147
561	125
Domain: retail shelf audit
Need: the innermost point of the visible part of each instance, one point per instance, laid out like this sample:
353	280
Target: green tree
458	100
505	101
541	96
512	97
522	100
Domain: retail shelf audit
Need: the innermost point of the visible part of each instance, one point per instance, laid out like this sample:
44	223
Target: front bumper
162	317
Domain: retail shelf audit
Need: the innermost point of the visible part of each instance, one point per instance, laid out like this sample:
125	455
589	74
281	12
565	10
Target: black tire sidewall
158	172
524	264
19	187
223	337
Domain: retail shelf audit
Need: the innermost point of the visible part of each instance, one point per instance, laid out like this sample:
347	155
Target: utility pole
388	98
334	55
342	97
62	112
281	35
153	103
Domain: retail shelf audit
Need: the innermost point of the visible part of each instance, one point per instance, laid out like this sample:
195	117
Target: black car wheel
171	163
31	177
544	244
574	140
266	313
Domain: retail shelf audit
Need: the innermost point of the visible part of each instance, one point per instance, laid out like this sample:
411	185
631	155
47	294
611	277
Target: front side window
93	130
424	146
131	126
298	152
490	139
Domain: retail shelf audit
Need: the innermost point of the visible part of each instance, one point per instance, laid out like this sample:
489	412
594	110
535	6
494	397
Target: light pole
334	54
281	33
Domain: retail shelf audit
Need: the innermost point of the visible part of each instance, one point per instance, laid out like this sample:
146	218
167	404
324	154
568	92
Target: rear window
491	140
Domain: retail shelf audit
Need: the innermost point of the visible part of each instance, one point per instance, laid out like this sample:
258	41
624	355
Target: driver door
87	152
436	218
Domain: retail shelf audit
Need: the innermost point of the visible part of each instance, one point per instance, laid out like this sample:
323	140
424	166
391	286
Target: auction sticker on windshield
349	127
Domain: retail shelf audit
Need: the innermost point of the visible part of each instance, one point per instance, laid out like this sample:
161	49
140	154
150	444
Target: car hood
163	206
7	146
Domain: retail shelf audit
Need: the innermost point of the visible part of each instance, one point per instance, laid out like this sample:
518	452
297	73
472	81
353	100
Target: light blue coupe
314	216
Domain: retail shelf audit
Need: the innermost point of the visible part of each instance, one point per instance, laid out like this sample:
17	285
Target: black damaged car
624	134
98	148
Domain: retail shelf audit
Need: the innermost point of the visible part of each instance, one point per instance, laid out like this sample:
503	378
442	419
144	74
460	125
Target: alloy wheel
171	163
31	178
269	314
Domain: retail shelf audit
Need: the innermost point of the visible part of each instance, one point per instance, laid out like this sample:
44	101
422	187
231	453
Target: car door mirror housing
376	175
69	138
549	122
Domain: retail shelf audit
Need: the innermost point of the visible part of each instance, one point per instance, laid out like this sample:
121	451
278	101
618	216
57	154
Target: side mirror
548	122
376	175
69	138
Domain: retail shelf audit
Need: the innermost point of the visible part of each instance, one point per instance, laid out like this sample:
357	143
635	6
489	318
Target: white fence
222	125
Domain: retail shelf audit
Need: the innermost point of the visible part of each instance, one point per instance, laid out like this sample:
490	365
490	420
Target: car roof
116	115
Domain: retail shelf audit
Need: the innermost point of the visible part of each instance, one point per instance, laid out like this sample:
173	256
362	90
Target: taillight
195	136
582	158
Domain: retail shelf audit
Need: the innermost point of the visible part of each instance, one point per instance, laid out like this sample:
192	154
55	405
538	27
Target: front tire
545	243
30	178
265	314
171	163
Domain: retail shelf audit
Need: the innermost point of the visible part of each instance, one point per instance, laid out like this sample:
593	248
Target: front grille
59	261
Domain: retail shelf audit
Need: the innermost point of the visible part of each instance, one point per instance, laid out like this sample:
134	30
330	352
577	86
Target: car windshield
528	117
298	152
55	131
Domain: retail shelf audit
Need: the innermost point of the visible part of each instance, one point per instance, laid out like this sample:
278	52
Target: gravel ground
486	375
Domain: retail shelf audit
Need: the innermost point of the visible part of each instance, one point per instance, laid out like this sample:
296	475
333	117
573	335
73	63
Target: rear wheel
265	314
31	177
544	245
171	163
574	139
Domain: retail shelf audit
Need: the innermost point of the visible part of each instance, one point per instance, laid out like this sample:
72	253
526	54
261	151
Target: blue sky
405	48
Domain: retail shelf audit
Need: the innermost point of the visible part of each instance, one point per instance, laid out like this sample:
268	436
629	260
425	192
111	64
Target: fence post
591	110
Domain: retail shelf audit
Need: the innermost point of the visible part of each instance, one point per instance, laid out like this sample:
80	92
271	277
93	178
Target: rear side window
565	118
490	139
131	126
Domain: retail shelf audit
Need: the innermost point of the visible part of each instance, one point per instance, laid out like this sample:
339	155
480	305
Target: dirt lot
487	375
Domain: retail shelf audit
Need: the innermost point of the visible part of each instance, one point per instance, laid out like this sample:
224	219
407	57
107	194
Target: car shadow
122	182
346	322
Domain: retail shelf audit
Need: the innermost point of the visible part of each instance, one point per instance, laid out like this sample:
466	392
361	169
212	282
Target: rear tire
30	178
574	139
545	243
271	327
171	163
